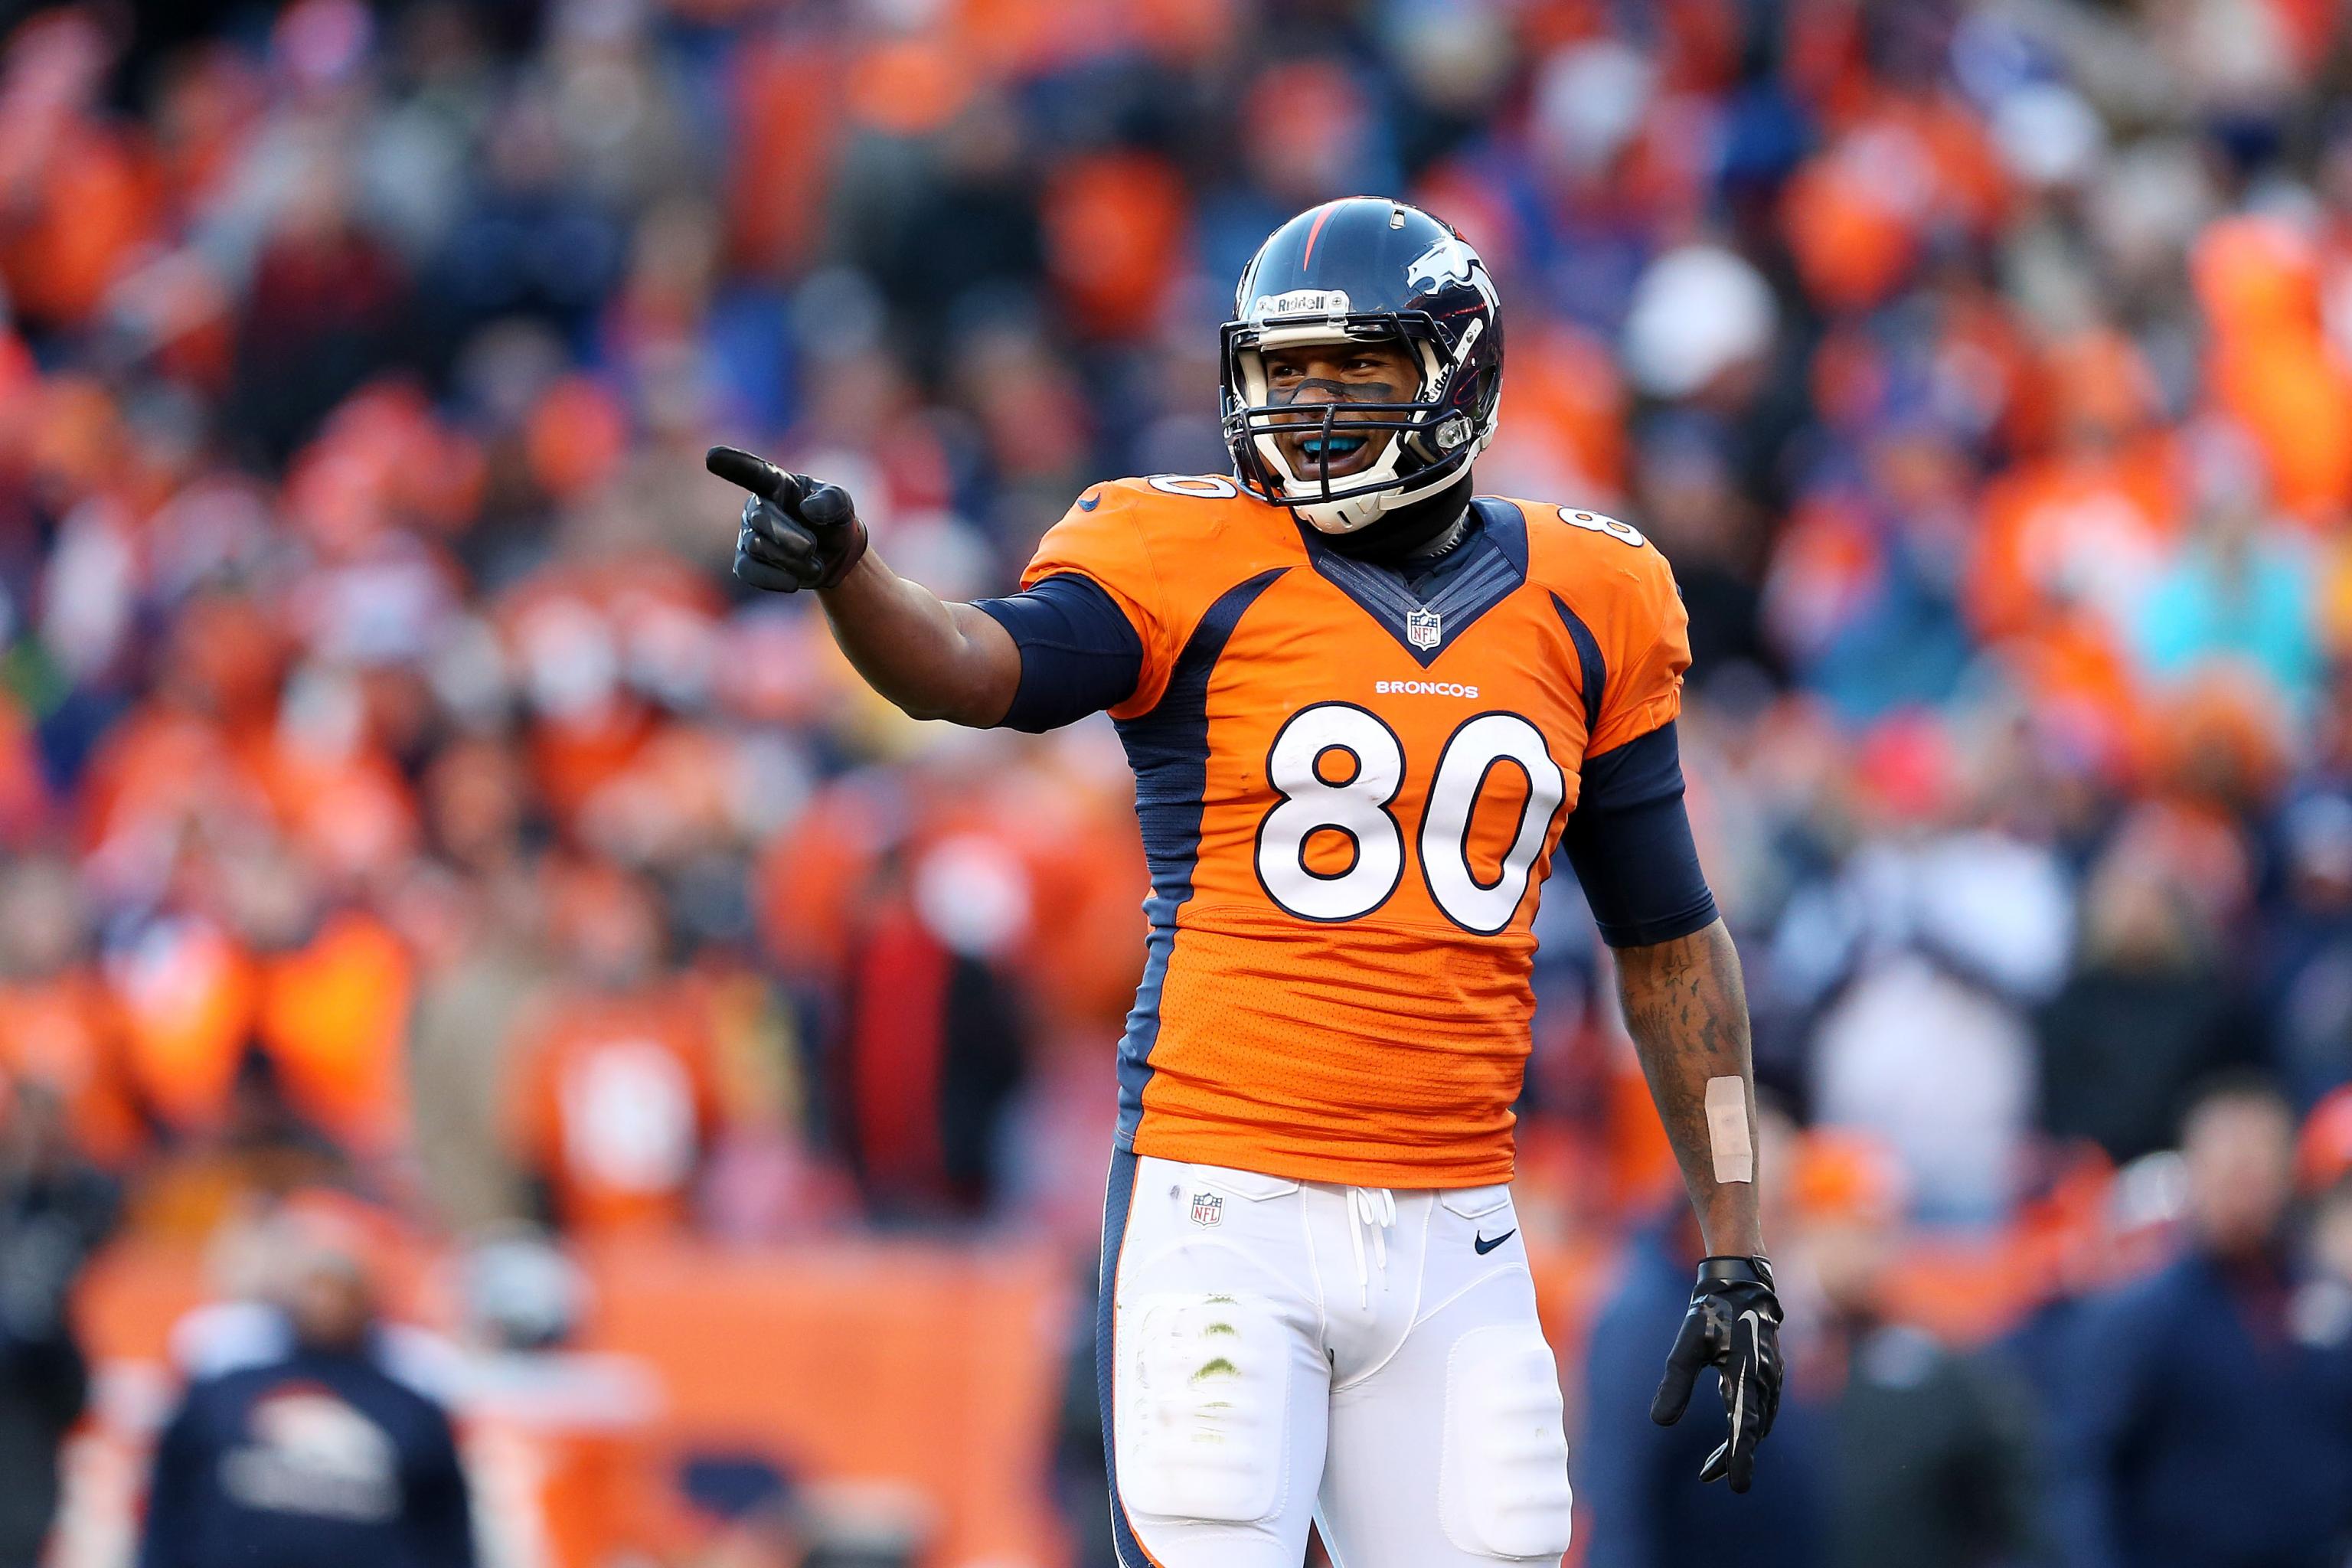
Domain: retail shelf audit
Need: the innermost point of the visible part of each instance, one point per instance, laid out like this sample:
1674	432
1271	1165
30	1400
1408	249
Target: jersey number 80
1358	807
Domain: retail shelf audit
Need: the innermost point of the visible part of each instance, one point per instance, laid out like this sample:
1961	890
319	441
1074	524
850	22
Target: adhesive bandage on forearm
1726	1129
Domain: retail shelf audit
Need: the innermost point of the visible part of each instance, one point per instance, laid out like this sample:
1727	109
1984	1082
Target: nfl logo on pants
1421	628
1208	1208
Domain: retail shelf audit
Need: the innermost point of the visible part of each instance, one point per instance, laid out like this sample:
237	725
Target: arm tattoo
1687	1012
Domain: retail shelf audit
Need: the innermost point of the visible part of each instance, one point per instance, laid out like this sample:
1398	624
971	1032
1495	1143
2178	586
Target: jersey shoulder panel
1611	579
1100	538
1166	548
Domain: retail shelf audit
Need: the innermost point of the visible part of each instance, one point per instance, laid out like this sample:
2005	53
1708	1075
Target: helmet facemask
1426	441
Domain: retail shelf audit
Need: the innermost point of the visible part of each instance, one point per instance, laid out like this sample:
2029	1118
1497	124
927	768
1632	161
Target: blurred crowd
396	796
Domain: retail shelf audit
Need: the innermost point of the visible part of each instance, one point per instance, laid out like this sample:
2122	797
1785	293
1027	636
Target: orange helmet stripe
1316	227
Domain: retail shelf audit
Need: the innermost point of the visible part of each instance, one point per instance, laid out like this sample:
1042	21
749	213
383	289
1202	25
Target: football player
1364	705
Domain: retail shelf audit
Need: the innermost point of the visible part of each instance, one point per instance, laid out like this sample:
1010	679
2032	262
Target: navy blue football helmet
1365	268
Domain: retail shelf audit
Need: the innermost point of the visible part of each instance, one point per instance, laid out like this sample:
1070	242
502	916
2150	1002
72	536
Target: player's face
1321	373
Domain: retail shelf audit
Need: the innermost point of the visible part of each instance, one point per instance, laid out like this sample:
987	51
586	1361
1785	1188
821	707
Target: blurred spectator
1929	1453
61	1029
2324	1172
477	923
2201	1423
1941	1069
614	1094
1639	1503
2306	991
1691	507
754	1518
53	1210
562	1437
1920	954
2237	591
327	303
311	1451
930	1044
2147	1014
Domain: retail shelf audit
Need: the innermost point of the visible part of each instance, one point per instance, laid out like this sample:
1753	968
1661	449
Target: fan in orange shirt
59	1027
617	1092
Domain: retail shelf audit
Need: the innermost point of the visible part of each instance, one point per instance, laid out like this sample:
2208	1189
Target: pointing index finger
755	474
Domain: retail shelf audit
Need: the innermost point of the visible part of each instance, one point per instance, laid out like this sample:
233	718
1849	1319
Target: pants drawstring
1373	1209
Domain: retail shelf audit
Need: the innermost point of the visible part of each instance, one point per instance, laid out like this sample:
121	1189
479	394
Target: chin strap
1443	546
1418	529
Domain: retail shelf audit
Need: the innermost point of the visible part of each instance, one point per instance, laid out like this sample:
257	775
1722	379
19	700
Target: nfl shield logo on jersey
1208	1208
1421	628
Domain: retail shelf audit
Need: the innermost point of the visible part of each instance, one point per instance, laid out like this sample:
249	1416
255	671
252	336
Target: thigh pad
1200	1406
1503	1487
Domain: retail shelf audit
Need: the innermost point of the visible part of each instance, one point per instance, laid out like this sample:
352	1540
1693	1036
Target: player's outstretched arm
932	659
1687	1009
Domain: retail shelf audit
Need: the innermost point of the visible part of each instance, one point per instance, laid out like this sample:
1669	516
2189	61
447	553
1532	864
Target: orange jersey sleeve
1100	538
1621	588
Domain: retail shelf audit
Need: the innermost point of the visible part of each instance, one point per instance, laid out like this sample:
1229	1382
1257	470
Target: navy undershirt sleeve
1630	841
1079	653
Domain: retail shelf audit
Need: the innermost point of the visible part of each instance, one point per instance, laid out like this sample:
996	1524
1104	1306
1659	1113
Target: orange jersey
66	1033
618	1102
1350	789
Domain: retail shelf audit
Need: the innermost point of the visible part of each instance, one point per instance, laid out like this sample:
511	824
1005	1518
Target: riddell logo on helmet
1301	302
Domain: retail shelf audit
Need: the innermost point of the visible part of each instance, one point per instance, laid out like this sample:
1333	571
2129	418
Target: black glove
1734	1326
796	533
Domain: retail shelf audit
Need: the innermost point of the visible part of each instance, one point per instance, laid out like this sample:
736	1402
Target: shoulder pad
1178	503
1598	522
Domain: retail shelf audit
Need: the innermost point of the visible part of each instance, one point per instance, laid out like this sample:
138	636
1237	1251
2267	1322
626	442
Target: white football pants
1273	1350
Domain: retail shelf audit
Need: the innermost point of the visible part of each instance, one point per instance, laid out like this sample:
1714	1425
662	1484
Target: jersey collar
1429	611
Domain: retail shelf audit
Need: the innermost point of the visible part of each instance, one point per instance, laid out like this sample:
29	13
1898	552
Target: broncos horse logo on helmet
1366	269
1450	260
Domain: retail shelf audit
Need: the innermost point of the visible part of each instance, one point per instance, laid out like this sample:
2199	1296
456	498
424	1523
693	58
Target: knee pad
1503	1483
1199	1407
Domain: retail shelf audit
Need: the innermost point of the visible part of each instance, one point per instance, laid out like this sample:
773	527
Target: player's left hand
1734	1326
796	532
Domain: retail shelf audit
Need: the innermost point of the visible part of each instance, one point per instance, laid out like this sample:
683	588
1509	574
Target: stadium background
406	819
